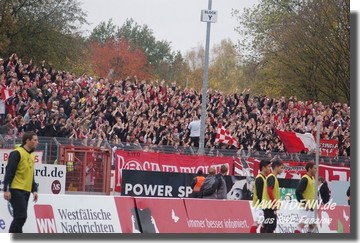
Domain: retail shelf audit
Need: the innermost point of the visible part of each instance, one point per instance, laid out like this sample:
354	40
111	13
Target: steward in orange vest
197	183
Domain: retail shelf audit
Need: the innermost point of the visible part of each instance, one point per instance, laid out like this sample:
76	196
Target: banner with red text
4	155
149	161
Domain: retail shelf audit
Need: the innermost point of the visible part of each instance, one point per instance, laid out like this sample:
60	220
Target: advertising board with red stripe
108	214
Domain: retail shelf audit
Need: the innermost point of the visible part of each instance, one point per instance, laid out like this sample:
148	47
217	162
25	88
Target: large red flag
223	136
297	142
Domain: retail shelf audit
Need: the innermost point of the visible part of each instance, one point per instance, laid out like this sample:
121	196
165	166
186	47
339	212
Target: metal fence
50	147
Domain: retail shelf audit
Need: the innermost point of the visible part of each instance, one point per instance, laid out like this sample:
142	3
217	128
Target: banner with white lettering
329	147
149	161
220	216
51	178
170	215
155	184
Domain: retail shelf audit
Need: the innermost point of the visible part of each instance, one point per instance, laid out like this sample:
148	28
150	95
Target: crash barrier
76	154
119	214
51	149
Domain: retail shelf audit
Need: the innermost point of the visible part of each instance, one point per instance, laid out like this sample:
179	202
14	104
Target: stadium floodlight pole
318	128
208	16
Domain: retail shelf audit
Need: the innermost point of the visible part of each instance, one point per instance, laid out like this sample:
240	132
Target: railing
50	147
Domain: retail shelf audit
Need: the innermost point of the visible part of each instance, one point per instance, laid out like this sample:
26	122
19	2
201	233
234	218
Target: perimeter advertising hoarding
220	216
162	215
108	214
73	214
174	215
331	218
51	178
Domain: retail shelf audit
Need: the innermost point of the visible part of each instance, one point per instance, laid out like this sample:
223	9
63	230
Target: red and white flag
223	136
6	93
297	142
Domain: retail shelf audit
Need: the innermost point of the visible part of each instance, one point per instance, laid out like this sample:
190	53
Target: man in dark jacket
324	190
222	188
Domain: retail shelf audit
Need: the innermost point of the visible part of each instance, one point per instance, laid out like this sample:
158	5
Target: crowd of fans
56	103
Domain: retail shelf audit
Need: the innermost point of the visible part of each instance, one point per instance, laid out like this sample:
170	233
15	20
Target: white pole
318	128
204	87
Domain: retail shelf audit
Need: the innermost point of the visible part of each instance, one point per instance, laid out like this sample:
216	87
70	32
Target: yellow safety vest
24	174
276	193
309	193
70	166
255	202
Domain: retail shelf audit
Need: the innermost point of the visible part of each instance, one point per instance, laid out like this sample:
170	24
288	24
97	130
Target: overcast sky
177	22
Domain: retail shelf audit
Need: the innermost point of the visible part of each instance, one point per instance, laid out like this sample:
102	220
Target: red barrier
100	214
125	207
160	215
218	216
340	219
175	215
166	215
